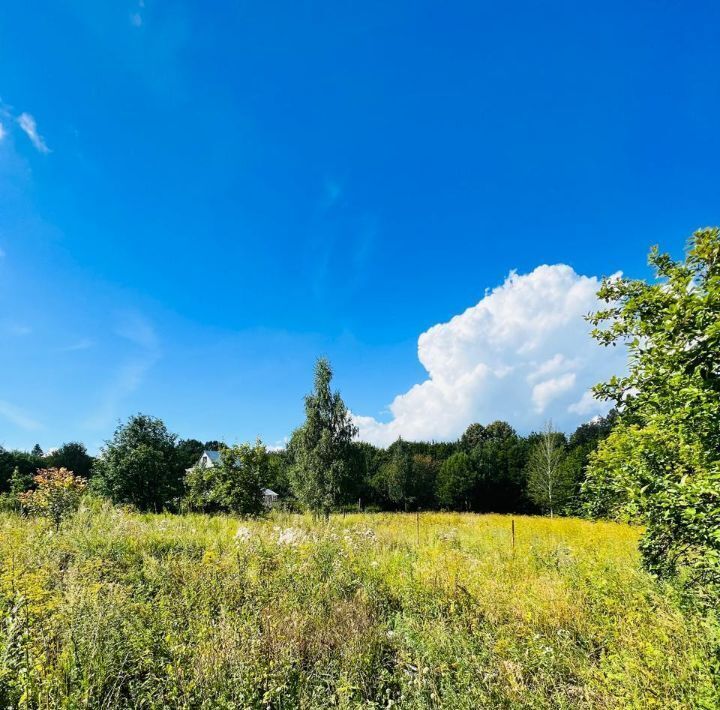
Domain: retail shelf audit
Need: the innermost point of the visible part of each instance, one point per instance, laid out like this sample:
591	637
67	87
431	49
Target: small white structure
270	498
210	458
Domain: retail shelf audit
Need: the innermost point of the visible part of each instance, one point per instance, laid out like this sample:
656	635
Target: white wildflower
291	536
243	534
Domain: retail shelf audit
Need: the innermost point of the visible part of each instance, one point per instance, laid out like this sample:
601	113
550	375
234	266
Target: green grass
126	610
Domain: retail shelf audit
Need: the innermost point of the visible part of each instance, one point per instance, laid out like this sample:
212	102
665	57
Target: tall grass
148	611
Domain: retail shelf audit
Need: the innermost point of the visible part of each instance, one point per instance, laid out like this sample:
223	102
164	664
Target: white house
210	458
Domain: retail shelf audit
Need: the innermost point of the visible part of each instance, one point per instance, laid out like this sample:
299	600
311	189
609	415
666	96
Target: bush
57	494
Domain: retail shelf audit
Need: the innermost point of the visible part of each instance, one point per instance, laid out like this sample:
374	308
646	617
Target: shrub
57	494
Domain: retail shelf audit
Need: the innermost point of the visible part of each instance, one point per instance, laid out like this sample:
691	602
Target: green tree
500	461
366	461
23	461
320	448
139	465
456	482
582	443
425	469
395	476
233	485
499	431
277	475
20	482
72	456
661	463
37	451
549	485
189	451
473	437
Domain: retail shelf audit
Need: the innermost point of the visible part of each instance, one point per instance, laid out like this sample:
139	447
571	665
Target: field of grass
147	611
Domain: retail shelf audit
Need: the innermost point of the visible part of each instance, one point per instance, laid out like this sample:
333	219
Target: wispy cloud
29	127
128	377
137	329
126	380
3	132
17	416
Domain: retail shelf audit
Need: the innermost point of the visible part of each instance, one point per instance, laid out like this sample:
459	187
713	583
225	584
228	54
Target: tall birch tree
549	486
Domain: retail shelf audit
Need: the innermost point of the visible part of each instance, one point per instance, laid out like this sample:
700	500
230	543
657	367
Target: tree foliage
72	456
23	462
661	463
234	484
189	451
139	465
320	448
500	461
456	482
473	437
549	485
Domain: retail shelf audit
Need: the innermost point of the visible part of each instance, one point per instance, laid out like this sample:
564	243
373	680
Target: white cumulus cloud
29	127
523	354
546	391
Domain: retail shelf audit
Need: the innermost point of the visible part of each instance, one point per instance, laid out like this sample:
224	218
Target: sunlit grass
440	610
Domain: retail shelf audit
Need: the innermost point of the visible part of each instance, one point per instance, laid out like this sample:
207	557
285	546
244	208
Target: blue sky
197	200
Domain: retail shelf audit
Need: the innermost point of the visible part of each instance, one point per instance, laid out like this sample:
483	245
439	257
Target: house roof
268	492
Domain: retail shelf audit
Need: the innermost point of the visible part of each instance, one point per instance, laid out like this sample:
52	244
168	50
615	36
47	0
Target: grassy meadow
118	609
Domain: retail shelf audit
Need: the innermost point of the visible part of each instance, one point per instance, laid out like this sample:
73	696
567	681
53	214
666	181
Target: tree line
490	468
